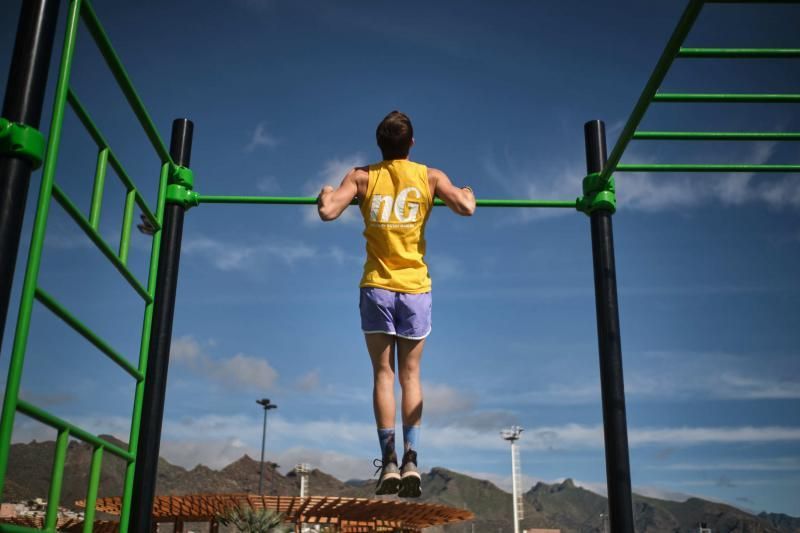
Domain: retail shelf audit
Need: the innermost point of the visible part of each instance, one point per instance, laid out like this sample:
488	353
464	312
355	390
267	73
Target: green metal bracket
179	190
21	141
598	194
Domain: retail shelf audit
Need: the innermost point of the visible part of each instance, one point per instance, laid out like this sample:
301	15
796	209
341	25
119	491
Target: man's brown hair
394	135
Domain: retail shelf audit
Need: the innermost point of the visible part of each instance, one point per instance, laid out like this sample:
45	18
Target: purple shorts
407	316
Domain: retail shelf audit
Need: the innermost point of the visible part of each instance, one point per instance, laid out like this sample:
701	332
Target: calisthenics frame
23	149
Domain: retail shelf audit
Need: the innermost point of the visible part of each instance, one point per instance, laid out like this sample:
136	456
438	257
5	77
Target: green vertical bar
99	186
51	518
127	223
37	243
91	493
144	346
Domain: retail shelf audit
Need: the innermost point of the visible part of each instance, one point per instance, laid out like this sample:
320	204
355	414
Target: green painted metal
727	98
21	140
98	188
91	491
11	399
750	1
53	421
598	194
61	312
715	136
106	156
310	200
722	53
709	168
127	224
653	83
73	211
56	479
144	344
12	528
101	142
123	80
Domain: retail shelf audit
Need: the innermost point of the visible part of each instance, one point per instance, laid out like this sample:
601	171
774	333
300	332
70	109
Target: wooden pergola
346	515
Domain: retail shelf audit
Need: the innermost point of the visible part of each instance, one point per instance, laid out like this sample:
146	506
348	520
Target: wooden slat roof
347	512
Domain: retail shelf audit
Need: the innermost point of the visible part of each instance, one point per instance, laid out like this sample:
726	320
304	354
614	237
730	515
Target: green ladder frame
82	10
31	290
673	50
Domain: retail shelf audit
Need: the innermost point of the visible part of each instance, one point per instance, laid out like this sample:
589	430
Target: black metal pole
261	467
615	427
27	81
144	480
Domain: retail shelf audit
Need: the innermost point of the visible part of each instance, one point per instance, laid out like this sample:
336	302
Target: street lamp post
267	405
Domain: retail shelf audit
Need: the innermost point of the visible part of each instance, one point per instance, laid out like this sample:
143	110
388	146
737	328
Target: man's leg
381	352
409	354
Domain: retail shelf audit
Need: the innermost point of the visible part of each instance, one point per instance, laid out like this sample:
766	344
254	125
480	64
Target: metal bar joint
21	140
181	183
598	194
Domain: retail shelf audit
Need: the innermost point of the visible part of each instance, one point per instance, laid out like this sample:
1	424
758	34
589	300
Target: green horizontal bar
13	528
118	70
721	53
101	142
708	168
74	431
60	311
73	211
726	98
689	15
750	1
716	136
309	200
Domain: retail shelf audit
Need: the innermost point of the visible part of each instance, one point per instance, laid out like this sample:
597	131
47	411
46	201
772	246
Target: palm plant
248	520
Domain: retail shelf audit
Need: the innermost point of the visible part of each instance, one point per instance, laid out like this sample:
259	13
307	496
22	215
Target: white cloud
268	185
332	173
309	382
574	436
749	388
649	192
261	137
550	182
777	464
444	401
228	256
237	372
444	267
341	257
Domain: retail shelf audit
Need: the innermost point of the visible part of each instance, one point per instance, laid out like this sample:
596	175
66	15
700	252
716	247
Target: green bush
248	520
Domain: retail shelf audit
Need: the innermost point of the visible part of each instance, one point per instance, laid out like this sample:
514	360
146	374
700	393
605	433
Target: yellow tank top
395	210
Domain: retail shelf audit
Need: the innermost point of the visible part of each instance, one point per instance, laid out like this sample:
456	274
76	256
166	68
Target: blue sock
410	437
386	439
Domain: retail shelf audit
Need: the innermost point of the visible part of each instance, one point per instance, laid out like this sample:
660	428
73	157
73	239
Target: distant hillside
563	505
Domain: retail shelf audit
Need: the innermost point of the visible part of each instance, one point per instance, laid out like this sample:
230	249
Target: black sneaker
410	479
389	482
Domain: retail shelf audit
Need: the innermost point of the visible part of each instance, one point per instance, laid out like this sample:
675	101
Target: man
395	197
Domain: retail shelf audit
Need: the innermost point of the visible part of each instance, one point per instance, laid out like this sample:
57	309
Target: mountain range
563	506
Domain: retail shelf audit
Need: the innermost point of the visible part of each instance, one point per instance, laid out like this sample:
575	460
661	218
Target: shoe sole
410	486
389	485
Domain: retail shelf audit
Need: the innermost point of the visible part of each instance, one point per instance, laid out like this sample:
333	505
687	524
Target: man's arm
332	202
460	200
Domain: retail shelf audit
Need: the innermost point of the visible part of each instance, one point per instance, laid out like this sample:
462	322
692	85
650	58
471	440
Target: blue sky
285	97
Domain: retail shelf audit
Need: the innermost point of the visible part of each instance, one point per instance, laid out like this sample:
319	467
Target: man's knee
409	376
383	375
